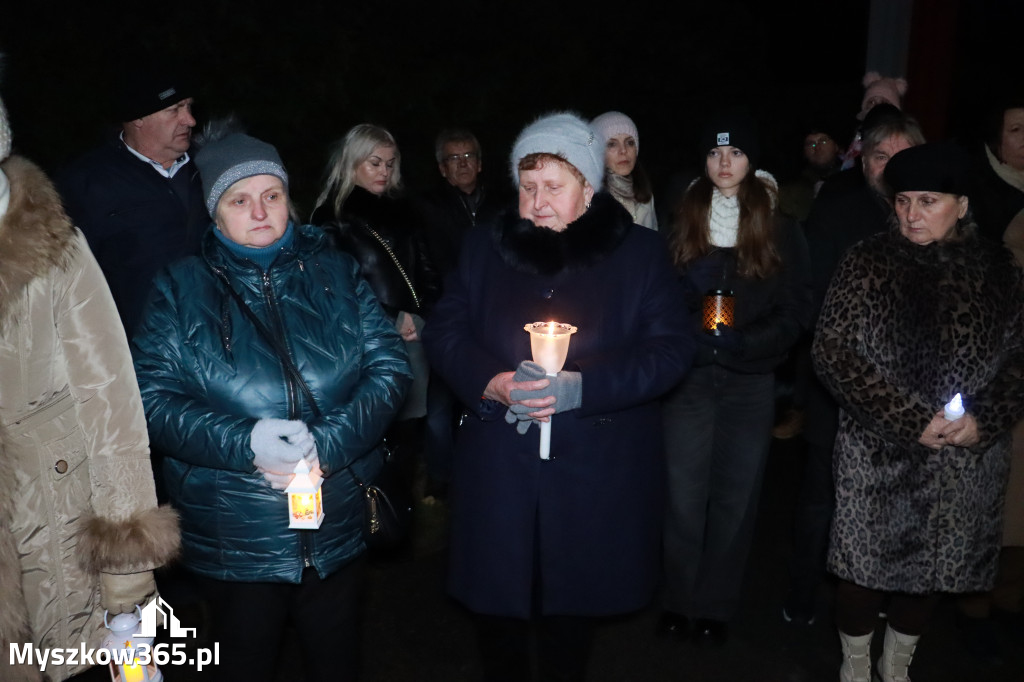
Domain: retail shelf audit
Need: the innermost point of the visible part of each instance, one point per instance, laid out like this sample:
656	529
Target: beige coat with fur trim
78	514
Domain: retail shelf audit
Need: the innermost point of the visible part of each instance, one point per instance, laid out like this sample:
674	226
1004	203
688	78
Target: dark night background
299	74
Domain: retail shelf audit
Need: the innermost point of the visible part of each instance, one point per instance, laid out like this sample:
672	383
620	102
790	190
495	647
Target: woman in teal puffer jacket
233	421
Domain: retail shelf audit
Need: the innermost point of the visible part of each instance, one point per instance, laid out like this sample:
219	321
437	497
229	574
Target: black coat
588	521
994	202
135	220
770	313
363	219
446	219
846	211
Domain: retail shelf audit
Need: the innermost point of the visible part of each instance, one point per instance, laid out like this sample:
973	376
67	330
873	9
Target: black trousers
251	620
717	435
812	522
439	441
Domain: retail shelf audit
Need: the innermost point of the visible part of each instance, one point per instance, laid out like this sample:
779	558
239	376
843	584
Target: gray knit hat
566	135
235	157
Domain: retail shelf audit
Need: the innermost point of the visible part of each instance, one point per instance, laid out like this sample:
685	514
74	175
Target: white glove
278	444
282	481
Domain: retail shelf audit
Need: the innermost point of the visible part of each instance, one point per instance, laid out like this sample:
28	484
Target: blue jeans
717	435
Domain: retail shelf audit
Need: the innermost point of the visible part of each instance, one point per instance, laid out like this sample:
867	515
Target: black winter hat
734	129
934	167
147	88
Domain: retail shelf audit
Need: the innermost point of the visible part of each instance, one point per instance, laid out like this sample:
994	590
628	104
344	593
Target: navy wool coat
578	534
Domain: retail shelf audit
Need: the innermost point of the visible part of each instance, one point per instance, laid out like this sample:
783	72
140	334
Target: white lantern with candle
549	342
121	639
305	499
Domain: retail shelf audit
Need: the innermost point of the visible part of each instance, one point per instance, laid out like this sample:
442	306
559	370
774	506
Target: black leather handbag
389	510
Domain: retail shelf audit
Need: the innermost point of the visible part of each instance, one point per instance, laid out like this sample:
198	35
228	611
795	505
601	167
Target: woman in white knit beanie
624	177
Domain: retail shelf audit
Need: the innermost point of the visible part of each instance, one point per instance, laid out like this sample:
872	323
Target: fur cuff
143	541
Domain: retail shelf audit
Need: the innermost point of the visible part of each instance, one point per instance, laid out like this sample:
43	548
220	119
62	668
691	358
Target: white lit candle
549	342
954	409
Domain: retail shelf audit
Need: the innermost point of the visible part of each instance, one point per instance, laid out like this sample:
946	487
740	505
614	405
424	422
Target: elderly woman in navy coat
547	545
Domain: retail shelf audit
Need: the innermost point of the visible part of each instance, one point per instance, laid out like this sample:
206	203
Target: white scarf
5	193
621	187
1010	175
724	217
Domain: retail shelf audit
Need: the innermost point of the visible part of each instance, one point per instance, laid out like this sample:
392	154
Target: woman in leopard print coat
912	317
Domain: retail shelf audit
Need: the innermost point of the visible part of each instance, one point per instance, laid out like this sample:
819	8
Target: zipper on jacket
277	325
294	408
305	537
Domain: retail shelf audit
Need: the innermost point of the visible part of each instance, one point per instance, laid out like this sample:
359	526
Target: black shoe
798	609
673	625
798	614
710	634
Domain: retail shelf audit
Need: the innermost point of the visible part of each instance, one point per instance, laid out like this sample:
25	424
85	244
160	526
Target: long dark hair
756	253
642	192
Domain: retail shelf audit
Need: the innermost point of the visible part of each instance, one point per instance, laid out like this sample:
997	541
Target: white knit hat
566	135
612	123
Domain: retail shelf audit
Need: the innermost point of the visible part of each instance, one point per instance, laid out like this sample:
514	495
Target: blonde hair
346	155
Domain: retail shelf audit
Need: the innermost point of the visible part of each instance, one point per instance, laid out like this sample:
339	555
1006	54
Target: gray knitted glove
527	371
567	387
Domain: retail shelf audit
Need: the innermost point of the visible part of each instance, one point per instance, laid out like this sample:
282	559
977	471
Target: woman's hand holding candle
962	432
565	387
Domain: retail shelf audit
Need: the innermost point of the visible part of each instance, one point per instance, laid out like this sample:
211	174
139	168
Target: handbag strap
284	356
394	258
275	343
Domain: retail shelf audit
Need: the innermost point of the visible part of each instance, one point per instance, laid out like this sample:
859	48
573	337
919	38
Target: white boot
856	658
897	653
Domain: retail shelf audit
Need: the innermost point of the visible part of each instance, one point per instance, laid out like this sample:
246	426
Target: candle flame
551	328
957	403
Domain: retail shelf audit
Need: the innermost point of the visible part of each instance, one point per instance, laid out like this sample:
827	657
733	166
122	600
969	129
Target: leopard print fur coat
903	328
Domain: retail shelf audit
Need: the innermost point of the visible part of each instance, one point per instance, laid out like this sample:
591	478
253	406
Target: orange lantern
718	309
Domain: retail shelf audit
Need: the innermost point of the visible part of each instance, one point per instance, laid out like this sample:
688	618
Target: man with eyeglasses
449	211
821	153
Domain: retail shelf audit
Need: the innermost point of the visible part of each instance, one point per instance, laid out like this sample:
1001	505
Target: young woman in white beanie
624	177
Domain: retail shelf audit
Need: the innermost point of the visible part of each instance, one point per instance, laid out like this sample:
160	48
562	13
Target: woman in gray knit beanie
265	358
544	546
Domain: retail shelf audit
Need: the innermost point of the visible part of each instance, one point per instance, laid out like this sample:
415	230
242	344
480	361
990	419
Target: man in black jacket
449	211
137	197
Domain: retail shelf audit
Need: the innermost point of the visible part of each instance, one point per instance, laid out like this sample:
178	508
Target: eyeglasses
814	144
467	157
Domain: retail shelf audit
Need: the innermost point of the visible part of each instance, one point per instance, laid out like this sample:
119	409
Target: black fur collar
541	251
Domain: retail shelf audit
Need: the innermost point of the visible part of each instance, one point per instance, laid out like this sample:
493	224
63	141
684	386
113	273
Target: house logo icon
159	609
